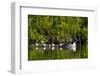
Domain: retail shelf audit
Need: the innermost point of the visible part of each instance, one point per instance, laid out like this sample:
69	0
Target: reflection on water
48	52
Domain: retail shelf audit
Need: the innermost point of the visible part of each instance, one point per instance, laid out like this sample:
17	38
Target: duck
71	46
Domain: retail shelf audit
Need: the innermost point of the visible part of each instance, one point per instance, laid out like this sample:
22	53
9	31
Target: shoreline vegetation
57	37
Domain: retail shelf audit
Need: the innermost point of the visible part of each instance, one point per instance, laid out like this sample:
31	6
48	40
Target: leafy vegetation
56	30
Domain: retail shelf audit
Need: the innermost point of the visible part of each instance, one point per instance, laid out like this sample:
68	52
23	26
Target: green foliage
56	29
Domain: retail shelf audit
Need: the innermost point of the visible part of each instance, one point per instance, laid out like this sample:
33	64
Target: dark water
56	52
